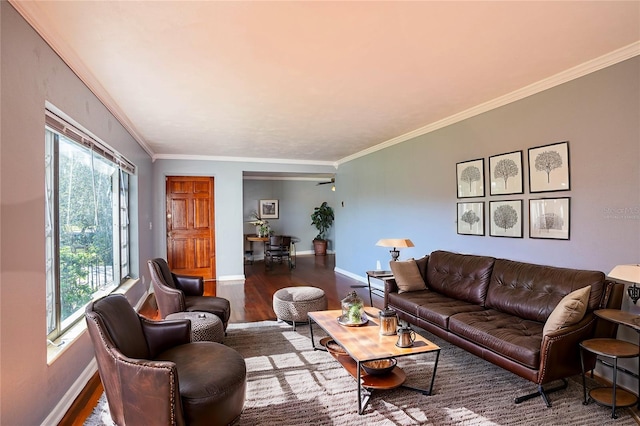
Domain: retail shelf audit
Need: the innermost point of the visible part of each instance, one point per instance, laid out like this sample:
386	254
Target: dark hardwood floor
253	300
250	302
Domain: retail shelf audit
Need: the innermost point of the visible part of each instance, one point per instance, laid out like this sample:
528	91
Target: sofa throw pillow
422	263
407	275
569	311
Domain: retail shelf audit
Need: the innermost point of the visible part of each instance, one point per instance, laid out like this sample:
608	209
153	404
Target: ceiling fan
333	180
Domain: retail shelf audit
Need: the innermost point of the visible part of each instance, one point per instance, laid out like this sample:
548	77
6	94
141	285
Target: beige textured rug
290	384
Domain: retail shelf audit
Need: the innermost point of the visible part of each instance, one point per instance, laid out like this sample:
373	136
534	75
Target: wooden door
190	226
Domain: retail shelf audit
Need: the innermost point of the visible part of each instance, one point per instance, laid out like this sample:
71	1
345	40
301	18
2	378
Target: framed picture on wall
505	174
268	209
470	178
549	168
506	218
549	218
470	218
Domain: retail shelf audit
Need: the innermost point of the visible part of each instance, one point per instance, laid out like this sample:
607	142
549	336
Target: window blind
61	126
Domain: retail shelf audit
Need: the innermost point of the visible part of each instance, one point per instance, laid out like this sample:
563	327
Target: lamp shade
395	242
630	273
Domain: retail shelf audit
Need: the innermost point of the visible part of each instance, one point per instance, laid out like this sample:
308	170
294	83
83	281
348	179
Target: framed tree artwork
549	218
269	209
470	218
470	178
505	218
549	168
505	174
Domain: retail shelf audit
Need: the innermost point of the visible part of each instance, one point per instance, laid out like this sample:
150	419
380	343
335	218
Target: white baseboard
350	275
67	400
375	284
144	297
303	252
222	279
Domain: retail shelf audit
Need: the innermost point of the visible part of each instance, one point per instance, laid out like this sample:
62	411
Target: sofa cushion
460	276
410	301
512	337
218	306
407	275
436	308
532	291
569	311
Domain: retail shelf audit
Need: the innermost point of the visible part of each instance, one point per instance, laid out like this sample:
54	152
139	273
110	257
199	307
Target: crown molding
283	178
578	71
244	159
27	9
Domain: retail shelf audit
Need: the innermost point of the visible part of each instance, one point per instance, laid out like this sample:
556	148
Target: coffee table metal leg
362	403
313	342
359	383
435	367
433	379
613	399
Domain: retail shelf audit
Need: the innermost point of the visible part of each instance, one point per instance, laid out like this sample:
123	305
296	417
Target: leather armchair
180	293
153	374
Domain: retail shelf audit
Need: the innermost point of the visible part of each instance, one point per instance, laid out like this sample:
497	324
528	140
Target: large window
87	222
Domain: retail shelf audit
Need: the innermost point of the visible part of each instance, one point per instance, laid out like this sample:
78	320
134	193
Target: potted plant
322	219
262	226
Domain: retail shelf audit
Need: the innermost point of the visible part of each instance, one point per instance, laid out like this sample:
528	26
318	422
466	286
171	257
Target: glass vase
353	309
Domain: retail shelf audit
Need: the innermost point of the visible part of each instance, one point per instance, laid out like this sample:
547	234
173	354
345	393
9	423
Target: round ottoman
294	303
204	325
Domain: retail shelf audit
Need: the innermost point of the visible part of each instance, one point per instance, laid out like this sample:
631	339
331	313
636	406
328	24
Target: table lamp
630	273
395	244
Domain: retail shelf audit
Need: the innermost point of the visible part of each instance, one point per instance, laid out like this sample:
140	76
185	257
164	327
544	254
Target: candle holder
389	322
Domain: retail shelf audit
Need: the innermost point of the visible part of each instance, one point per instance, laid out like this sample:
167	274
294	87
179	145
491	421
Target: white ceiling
321	81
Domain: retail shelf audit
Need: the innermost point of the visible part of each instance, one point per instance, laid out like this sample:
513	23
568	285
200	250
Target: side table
609	396
204	325
628	320
380	275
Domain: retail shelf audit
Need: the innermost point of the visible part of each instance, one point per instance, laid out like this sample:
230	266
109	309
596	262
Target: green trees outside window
85	193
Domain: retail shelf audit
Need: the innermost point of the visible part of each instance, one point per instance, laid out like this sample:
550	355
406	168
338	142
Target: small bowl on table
379	367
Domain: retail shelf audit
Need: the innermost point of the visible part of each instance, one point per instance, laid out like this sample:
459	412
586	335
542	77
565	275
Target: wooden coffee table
364	343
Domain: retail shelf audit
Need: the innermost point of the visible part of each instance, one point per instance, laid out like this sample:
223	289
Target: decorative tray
343	321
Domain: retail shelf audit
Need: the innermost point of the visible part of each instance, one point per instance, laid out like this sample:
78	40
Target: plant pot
320	247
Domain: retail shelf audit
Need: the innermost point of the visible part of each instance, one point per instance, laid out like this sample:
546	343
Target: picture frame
549	168
549	218
269	209
505	218
505	174
470	178
470	218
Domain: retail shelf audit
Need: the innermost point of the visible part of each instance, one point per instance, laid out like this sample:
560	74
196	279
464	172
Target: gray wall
409	190
32	74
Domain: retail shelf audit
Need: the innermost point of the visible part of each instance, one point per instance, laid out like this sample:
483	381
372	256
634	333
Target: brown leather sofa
153	374
497	308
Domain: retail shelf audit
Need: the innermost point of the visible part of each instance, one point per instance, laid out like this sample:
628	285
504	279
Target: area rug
288	383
